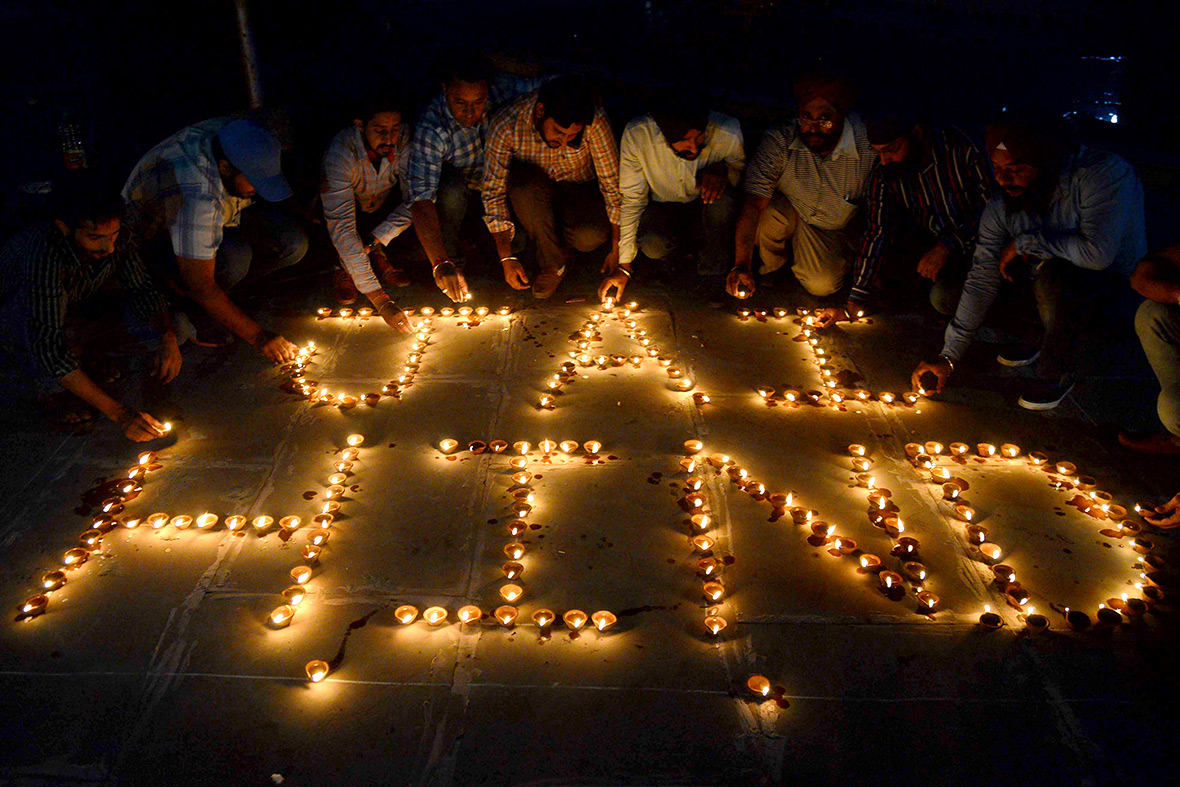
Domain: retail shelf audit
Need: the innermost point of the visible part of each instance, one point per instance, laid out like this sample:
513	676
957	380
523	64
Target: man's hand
711	184
939	369
618	280
1007	257
933	261
740	283
166	364
395	318
275	347
138	426
514	273
1166	516
828	317
450	281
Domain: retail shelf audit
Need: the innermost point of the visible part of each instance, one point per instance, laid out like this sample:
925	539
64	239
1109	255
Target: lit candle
766	392
522	447
514	550
702	543
355	439
701	522
470	614
35	605
986	449
1066	468
965	511
281	616
989	619
958	449
52	580
290	523
435	616
713	590
506	615
511	592
940	473
1010	450
990	551
318	537
300	574
406	614
235	522
568	446
592	447
547	446
602	619
927	599
857	450
574	619
75	557
869	562
294	594
544	618
889	579
715	624
317	670
886	397
1037	458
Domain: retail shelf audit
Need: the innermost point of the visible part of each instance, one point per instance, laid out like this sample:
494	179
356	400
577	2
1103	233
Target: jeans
1158	326
560	217
269	230
667	228
453	202
1068	298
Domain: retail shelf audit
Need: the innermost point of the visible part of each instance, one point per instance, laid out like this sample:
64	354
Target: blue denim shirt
1095	220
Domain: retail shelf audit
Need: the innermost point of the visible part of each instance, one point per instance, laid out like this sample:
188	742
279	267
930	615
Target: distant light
1113	118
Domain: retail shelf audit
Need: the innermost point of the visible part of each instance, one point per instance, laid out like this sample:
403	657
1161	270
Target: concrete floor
155	664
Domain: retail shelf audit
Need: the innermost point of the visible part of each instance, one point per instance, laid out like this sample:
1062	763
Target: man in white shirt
804	190
679	166
363	208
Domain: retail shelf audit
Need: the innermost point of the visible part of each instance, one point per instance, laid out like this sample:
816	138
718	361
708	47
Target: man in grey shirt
1069	224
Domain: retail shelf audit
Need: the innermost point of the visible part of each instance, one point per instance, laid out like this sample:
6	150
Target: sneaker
1018	356
394	277
343	288
1043	395
547	281
1159	444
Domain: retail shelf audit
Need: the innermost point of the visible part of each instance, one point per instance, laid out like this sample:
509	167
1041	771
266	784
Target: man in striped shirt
50	274
363	208
543	154
445	169
940	180
804	189
185	201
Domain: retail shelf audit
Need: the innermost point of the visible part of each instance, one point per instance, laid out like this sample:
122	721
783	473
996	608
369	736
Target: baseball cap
257	153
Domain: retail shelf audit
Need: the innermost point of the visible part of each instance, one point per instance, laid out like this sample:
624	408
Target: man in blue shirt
1069	224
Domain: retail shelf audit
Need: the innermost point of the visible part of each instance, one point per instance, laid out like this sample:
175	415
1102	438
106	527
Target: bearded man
1069	225
804	191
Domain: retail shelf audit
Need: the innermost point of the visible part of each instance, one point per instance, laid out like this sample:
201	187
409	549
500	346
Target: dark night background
135	72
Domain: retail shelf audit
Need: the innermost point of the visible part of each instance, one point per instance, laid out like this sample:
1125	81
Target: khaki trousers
820	259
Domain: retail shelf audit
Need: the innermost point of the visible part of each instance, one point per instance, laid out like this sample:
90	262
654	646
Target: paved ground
154	662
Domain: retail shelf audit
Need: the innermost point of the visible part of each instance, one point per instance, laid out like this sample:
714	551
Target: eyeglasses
823	124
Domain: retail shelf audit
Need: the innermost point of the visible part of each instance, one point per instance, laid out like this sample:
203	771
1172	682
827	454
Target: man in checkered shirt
363	208
543	154
445	170
185	202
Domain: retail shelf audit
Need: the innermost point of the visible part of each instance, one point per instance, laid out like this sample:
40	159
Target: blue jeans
264	229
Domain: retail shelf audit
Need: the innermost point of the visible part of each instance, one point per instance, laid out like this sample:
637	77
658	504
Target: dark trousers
668	229
1070	299
560	217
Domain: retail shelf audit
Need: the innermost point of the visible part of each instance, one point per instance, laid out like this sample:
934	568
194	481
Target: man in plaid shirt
54	280
363	208
446	161
185	200
544	151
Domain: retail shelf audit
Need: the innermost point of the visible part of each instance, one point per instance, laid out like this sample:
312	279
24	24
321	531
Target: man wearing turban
804	191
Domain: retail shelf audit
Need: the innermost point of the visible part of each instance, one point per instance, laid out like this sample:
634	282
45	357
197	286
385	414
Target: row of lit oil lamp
828	372
1096	503
590	333
319	534
314	393
884	514
90	540
470	314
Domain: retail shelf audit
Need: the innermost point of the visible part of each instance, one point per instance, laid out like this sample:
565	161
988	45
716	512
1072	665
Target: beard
1033	200
686	155
819	143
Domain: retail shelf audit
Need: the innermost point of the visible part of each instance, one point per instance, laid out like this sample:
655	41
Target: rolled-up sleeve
1109	198
605	155
197	228
766	167
634	191
497	157
427	153
339	198
983	282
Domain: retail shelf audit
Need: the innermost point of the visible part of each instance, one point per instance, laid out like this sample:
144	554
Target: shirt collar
845	147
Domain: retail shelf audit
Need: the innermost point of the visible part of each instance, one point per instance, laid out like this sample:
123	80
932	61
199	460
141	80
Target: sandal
66	411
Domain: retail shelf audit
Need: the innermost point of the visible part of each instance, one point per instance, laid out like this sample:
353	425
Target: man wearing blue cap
185	199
